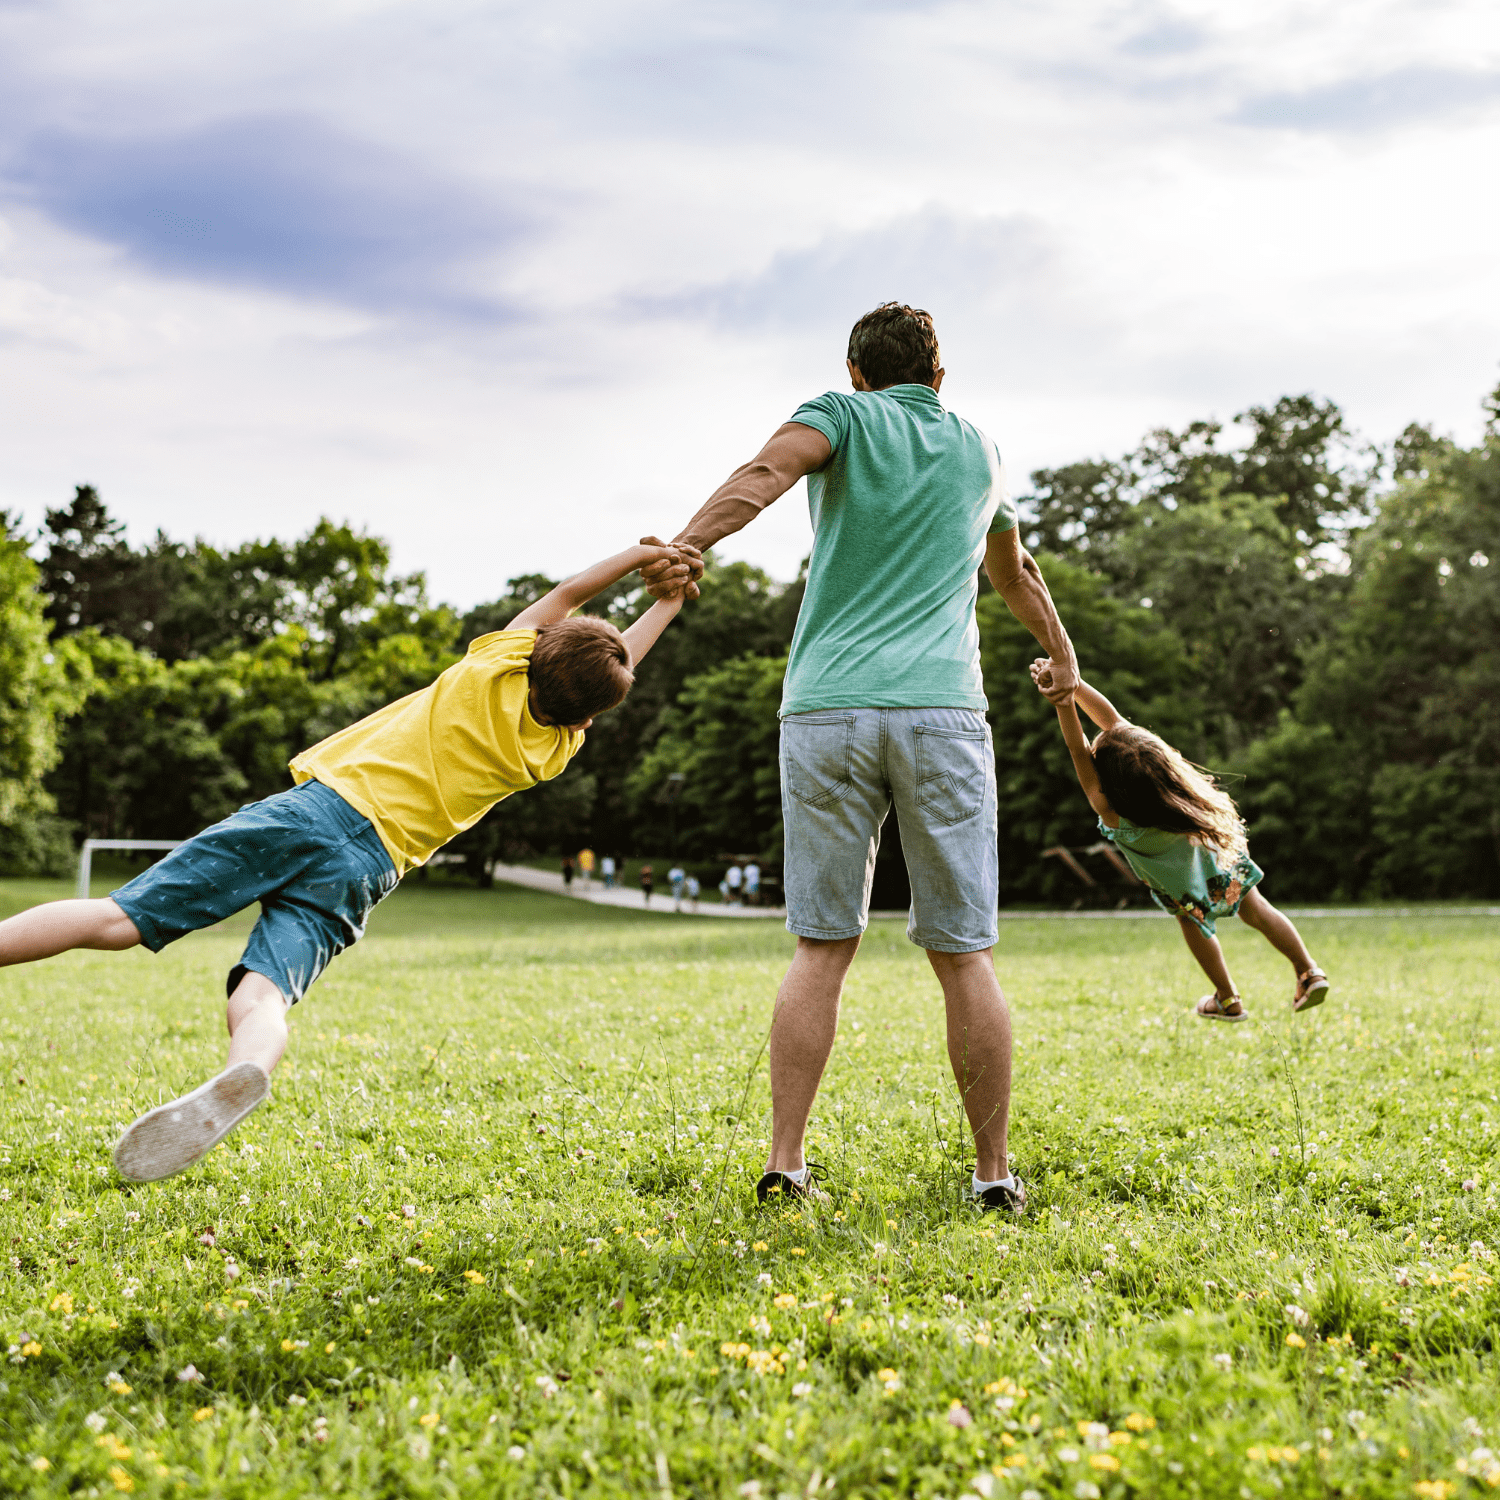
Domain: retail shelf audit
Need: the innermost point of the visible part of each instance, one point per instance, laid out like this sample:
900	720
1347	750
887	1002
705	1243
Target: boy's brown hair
580	667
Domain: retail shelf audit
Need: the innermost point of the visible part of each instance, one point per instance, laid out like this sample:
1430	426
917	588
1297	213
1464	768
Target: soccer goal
86	855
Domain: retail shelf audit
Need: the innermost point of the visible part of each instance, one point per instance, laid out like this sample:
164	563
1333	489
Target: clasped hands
678	573
1055	681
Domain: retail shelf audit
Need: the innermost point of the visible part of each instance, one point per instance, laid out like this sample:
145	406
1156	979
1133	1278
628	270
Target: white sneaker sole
171	1137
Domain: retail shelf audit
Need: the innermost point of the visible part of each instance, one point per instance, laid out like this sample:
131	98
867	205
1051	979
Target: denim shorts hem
978	947
238	972
825	934
151	934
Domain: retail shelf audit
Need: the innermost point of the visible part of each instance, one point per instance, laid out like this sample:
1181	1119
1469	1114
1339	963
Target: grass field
493	1235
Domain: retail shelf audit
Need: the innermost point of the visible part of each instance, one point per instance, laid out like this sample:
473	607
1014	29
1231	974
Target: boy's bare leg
979	1050
175	1135
1257	912
1210	958
257	1023
58	926
802	1033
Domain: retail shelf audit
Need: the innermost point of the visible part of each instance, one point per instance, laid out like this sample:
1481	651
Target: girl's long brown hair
1150	783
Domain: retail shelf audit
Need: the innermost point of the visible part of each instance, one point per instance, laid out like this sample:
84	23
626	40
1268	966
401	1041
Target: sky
513	284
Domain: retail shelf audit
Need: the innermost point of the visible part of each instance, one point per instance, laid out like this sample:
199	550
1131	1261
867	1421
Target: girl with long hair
1181	834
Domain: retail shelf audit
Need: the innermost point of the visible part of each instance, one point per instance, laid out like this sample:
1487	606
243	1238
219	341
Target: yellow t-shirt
430	765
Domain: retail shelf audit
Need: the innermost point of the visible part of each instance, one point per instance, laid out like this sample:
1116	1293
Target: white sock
1005	1182
799	1176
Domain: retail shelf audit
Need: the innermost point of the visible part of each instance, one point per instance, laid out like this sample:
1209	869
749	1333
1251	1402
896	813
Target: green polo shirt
900	514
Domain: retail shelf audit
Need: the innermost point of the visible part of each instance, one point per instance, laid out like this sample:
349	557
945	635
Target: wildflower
1296	1341
959	1416
203	1413
1224	1361
96	1421
764	1279
1083	1490
475	1278
296	1400
798	1250
189	1375
118	1386
547	1386
231	1270
1067	1455
1140	1422
760	1245
801	1390
62	1302
31	1350
429	1419
785	1299
1105	1461
890	1380
1297	1314
41	1465
329	1347
122	1481
515	1453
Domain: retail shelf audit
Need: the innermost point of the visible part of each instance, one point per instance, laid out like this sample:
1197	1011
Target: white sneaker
171	1137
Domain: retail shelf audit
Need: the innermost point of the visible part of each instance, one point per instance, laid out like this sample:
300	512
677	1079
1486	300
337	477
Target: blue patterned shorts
316	866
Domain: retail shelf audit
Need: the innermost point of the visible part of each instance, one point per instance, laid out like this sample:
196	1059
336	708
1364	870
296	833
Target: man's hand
679	574
1056	681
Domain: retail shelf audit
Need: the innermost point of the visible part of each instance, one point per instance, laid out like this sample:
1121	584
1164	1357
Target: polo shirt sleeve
826	414
1005	511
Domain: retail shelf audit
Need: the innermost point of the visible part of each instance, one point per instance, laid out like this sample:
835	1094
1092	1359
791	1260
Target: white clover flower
1298	1315
802	1389
1224	1361
515	1453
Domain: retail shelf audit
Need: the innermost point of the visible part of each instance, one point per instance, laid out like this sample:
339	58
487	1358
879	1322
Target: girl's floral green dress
1187	879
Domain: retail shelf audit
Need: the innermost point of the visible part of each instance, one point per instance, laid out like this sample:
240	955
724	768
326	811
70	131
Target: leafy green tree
1402	703
721	738
39	683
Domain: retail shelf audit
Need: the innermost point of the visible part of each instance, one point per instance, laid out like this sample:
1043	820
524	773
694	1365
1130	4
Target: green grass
482	1246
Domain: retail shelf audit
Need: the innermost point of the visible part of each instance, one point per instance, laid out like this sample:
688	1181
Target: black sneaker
1002	1200
779	1187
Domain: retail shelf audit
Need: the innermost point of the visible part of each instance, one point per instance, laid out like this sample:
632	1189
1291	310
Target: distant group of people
741	885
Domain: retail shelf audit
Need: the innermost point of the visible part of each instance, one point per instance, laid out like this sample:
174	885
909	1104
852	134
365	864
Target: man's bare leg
58	926
979	1050
802	1033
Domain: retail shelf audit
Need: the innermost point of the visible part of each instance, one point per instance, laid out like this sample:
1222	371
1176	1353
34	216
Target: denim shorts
316	866
841	772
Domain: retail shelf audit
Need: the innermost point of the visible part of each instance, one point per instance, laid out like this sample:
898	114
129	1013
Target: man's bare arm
1018	581
792	452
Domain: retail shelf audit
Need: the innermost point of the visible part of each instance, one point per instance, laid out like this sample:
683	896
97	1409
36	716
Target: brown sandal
1312	989
1211	1009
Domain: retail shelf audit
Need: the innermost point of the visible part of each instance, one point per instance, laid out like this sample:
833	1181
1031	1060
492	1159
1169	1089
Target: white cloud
511	283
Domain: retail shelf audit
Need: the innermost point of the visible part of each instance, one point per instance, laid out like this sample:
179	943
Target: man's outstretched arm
1018	581
792	452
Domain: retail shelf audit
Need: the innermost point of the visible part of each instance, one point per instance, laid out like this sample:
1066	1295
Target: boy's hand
679	573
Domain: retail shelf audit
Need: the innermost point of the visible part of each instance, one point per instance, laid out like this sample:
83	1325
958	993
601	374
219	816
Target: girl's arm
579	589
643	635
1083	763
1097	706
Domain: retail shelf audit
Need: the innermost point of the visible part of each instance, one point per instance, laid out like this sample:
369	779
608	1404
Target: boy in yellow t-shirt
370	802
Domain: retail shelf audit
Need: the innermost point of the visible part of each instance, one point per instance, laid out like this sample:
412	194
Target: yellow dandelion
31	1350
429	1419
62	1302
786	1299
475	1277
203	1413
1296	1341
41	1465
1105	1461
329	1347
122	1481
1139	1422
119	1387
760	1245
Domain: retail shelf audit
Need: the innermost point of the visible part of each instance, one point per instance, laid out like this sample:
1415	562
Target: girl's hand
1041	673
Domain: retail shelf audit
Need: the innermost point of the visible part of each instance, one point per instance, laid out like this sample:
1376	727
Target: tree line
1315	618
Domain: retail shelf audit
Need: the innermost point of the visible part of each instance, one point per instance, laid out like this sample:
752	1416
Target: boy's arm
646	631
1083	763
582	587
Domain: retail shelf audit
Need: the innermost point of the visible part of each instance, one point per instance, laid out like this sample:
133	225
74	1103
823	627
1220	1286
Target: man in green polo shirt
884	705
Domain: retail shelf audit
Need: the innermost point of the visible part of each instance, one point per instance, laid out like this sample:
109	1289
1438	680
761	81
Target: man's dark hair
895	345
580	667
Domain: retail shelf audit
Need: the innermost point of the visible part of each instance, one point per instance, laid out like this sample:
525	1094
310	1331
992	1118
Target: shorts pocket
953	768
816	756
